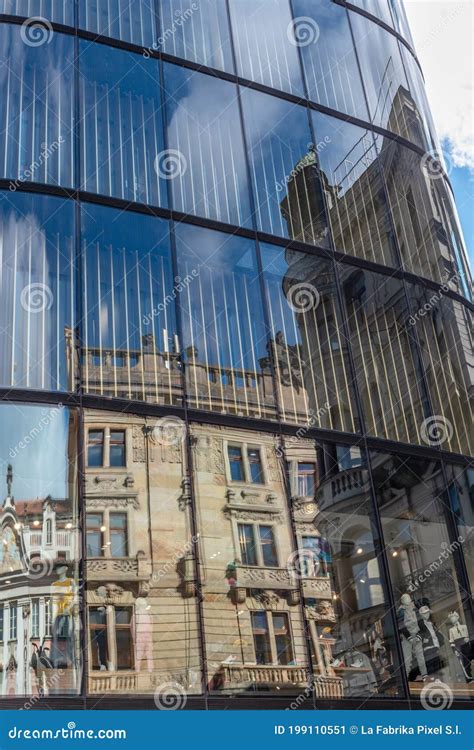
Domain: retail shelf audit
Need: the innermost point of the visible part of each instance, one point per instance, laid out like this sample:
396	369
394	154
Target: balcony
247	678
112	682
118	568
341	487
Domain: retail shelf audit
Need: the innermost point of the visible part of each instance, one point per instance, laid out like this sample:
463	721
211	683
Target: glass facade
235	358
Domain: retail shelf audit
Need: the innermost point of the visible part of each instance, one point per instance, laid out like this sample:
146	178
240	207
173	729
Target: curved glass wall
237	249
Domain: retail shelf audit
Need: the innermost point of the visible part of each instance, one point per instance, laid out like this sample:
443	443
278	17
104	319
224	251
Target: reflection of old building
142	615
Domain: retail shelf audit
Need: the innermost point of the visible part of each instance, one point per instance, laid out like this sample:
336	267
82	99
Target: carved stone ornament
251	515
323	611
272	464
93	503
268	599
138	445
208	454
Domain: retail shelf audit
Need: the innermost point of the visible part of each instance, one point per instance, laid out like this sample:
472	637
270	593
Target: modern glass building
236	361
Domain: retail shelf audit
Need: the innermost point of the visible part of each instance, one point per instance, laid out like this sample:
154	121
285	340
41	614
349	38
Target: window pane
236	464
210	177
386	86
129	307
306	479
39	530
98	636
378	8
36	116
94	539
117	448
267	543
356	202
200	32
422	117
37	293
255	465
122	129
266	43
329	61
261	637
284	171
433	618
129	20
386	361
95	450
460	499
48	9
223	324
307	350
284	647
351	628
247	544
400	20
118	535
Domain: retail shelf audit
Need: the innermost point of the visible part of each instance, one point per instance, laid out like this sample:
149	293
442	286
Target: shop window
272	638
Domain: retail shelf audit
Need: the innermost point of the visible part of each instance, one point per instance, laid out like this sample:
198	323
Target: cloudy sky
443	34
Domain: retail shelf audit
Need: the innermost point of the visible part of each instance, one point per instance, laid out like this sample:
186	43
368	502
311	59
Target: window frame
244	448
257	540
272	638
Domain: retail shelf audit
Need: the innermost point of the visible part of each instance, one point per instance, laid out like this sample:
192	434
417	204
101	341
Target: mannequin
461	644
412	645
431	638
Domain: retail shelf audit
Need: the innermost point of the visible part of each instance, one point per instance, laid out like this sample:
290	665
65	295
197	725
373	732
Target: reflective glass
424	215
130	347
141	603
385	357
434	627
36	109
121	125
351	628
206	160
355	196
288	194
307	350
197	31
421	119
378	8
129	20
38	334
254	633
266	43
329	61
400	20
39	549
223	325
446	336
51	10
390	102
460	493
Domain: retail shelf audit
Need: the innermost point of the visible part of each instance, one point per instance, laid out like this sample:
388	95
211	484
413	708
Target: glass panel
98	638
248	551
121	125
355	196
378	8
129	329
255	466
433	626
117	448
94	539
400	20
386	86
223	325
38	336
206	162
148	641
129	20
461	500
39	551
236	595
267	543
351	627
284	647
307	349
284	170
236	464
36	110
329	61
422	118
385	357
197	31
446	335
95	448
425	218
266	43
51	10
